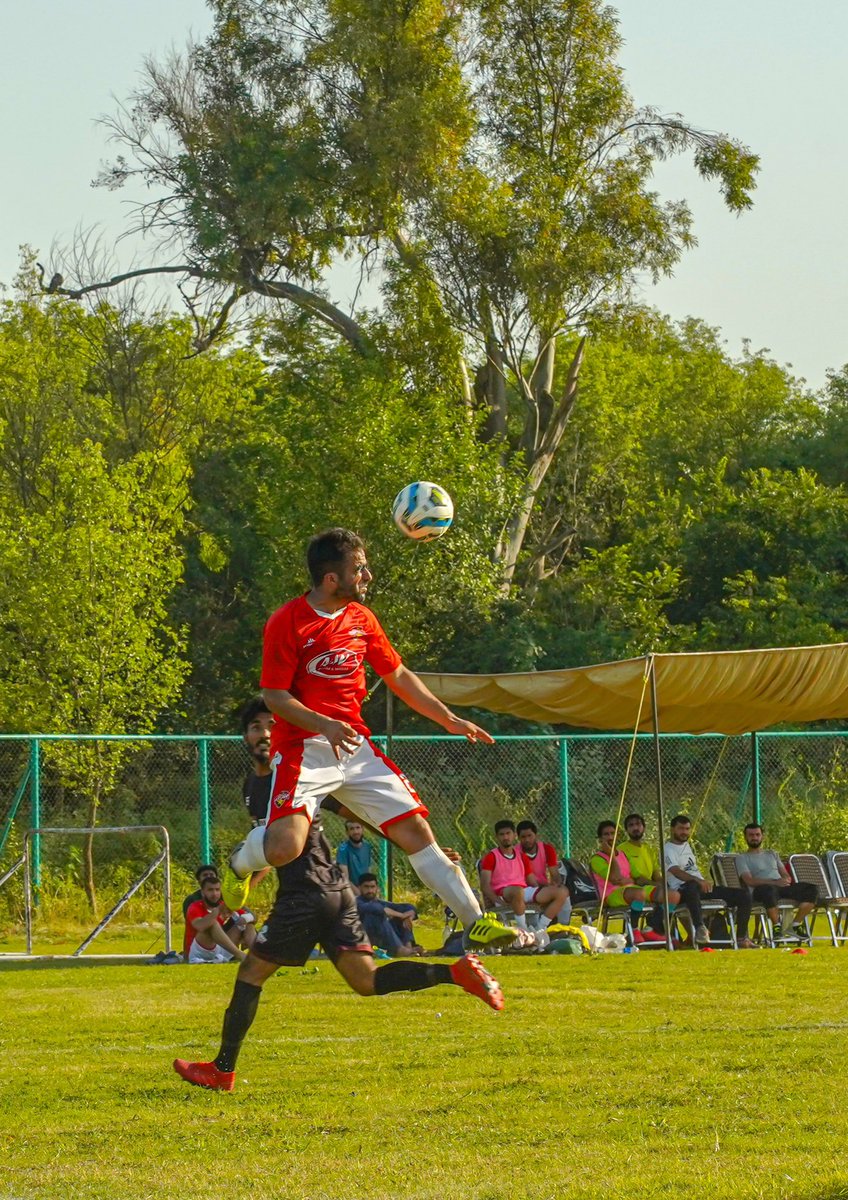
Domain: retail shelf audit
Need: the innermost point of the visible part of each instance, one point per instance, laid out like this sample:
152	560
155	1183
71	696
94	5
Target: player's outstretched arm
414	692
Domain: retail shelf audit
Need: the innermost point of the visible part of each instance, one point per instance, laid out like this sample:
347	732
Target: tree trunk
539	465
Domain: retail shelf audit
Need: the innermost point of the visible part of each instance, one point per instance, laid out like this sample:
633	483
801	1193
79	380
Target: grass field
682	1075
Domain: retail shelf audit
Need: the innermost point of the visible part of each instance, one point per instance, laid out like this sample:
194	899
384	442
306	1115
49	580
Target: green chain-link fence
797	782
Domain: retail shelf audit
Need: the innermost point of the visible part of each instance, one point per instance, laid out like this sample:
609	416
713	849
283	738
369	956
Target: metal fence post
755	779
564	799
35	812
205	818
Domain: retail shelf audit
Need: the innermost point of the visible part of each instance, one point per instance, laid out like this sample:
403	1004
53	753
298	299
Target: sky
769	72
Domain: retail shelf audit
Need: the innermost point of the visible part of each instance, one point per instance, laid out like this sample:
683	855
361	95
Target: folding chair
836	862
725	872
590	909
806	868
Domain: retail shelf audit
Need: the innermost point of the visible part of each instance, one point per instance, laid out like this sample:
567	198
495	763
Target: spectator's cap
252	710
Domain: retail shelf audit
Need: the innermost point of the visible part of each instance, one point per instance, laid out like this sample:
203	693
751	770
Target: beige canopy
733	691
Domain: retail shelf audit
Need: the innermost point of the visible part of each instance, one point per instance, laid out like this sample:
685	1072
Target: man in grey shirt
763	872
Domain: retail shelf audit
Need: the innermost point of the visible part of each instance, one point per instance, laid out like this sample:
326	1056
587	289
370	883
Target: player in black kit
316	904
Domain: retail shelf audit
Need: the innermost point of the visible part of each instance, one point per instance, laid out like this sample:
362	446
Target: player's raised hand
469	730
341	736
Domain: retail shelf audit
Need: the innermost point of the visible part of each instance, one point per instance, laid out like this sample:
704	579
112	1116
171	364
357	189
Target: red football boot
205	1075
473	977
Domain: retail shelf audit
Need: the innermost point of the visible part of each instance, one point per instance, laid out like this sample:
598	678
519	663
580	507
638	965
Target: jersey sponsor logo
335	664
280	800
309	642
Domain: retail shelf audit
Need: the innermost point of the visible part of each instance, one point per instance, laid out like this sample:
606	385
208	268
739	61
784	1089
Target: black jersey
314	868
256	792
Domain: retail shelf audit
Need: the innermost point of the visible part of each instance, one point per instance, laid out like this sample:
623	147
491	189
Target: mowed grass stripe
711	1076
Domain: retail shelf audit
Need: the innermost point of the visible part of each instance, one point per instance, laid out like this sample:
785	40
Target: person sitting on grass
206	917
388	923
503	879
611	873
763	871
355	854
683	875
203	872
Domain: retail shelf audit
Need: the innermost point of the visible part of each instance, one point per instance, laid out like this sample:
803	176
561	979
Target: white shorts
199	954
366	782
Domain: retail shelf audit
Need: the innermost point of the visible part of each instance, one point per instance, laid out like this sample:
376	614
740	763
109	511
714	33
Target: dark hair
203	869
499	825
633	817
368	877
522	825
605	825
681	819
753	825
252	710
326	551
209	879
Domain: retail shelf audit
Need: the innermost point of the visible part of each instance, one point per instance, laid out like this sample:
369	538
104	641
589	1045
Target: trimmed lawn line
637	1076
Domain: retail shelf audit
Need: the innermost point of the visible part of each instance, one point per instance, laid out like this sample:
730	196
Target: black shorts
303	919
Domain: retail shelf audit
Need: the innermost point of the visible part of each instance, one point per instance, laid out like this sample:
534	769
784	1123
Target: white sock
544	921
564	914
448	882
250	855
521	920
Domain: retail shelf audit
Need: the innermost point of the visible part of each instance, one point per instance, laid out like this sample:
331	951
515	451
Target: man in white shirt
683	875
763	872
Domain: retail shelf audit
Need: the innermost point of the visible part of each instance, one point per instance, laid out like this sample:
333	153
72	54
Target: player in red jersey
313	679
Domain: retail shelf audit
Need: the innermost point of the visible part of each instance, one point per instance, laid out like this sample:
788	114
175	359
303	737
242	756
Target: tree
486	155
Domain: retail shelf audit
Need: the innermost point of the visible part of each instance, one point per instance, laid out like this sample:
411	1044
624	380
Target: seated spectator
683	875
646	870
356	854
611	873
204	872
543	862
206	918
763	872
387	923
503	879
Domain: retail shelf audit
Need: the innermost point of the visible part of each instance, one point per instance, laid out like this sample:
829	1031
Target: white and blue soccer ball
423	511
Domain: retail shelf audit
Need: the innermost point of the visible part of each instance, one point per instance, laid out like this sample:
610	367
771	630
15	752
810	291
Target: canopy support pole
755	780
660	803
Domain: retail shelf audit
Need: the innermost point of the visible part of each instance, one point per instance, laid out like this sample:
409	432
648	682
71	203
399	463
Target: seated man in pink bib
611	873
503	879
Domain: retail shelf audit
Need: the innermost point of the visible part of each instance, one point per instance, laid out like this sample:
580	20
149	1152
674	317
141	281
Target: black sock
237	1020
410	977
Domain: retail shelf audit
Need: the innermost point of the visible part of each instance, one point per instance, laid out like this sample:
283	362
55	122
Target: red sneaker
651	935
473	977
205	1075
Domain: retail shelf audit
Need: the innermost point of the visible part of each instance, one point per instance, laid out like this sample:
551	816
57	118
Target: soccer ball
423	511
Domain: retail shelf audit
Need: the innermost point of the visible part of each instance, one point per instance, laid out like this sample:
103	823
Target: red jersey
194	910
544	859
321	660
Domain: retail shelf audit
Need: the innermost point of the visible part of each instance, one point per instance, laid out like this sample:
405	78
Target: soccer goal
161	859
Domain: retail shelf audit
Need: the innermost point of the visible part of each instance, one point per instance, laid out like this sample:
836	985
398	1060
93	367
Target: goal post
161	859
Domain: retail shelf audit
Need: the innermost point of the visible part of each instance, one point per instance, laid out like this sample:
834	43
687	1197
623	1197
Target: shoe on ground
746	944
651	935
702	935
234	891
488	931
473	978
205	1075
